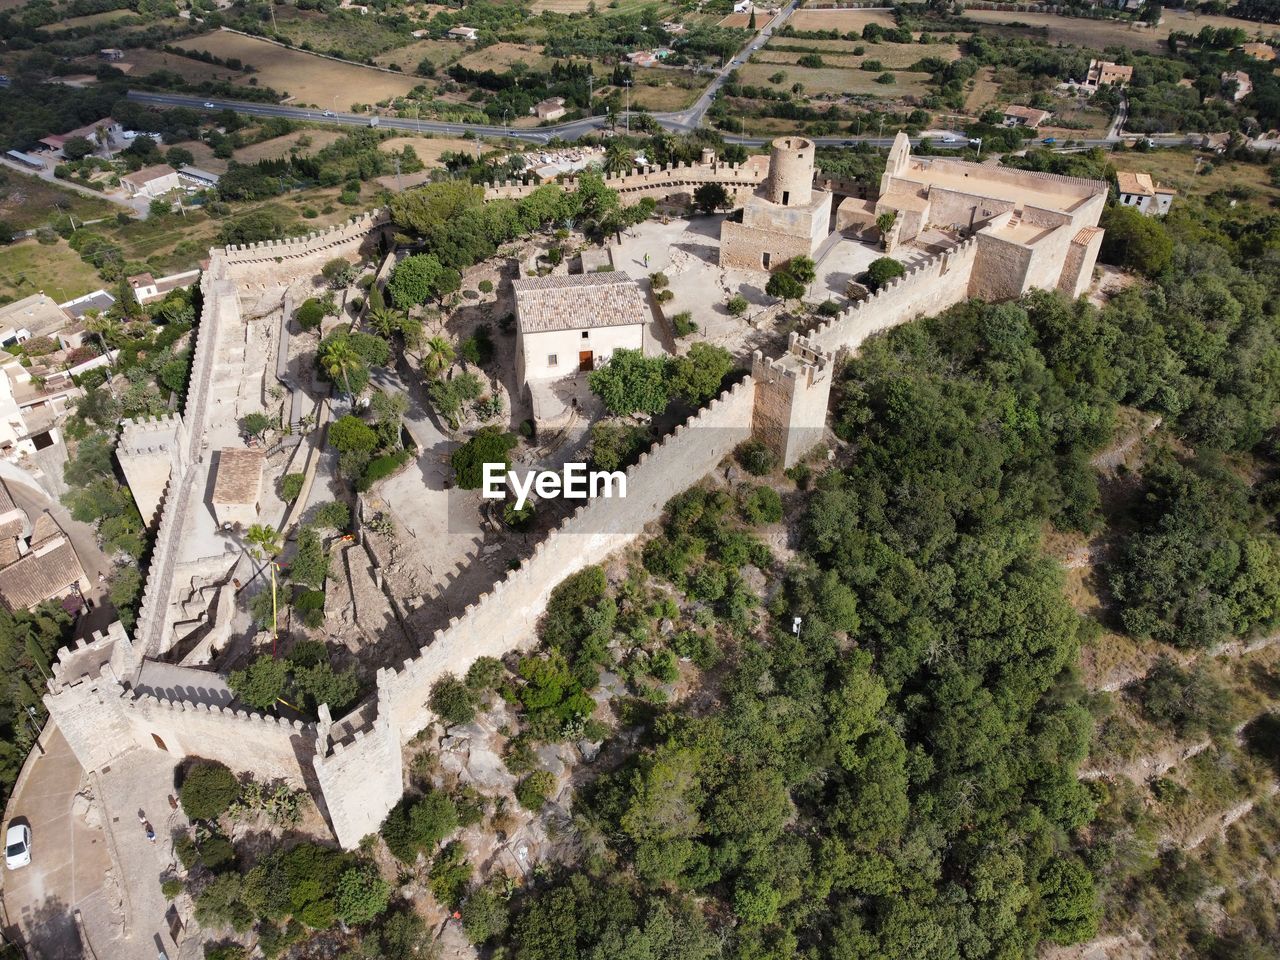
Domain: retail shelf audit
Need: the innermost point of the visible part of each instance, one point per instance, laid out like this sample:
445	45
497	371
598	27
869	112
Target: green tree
437	356
208	790
339	359
710	197
350	433
881	271
696	377
362	895
489	445
784	286
1135	241
631	383
420	278
262	684
255	424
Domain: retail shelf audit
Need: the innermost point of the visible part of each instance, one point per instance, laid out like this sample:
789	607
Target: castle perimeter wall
928	287
741	179
505	618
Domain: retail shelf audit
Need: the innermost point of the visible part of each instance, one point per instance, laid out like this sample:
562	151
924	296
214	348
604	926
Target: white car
208	105
328	113
17	846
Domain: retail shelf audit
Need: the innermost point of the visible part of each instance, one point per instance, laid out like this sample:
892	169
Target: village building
786	217
1236	84
464	33
550	109
237	490
571	324
1260	51
34	316
154	181
1137	190
1016	115
100	301
105	134
110	54
1104	73
42	566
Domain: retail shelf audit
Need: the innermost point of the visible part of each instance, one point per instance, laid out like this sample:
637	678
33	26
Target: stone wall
356	229
792	393
741	179
1001	268
150	451
928	287
360	779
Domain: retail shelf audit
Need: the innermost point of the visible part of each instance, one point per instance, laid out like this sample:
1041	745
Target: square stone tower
150	453
792	392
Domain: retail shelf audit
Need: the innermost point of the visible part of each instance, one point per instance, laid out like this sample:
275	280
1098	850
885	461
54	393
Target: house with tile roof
43	567
237	489
571	324
1139	191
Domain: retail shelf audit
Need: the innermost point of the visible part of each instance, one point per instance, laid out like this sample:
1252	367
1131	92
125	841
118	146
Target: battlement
150	435
89	657
747	175
358	227
145	700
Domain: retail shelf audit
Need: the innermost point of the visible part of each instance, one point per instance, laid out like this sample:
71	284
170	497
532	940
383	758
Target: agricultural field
304	77
90	20
355	36
666	95
837	81
30	267
441	53
984	92
737	20
846	21
431	149
580	6
144	61
500	57
1099	34
277	148
27	202
892	56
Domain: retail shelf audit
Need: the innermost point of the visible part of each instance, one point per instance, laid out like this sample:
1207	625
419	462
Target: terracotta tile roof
239	476
44	530
1030	115
1137	184
39	576
9	552
6	498
578	302
144	176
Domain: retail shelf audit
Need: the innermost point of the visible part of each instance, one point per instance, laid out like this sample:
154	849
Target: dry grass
279	147
90	20
1098	34
666	96
430	149
149	61
739	20
845	21
204	158
440	52
984	90
309	79
1177	168
29	267
501	56
894	56
27	202
837	80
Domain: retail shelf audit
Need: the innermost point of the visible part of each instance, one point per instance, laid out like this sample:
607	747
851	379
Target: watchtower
151	451
790	172
790	413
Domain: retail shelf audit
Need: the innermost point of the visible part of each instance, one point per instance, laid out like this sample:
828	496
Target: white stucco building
1139	191
571	324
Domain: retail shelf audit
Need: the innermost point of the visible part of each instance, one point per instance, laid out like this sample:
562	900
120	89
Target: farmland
846	21
30	267
307	78
891	56
441	53
27	201
501	56
339	32
144	61
837	81
277	148
90	20
1099	34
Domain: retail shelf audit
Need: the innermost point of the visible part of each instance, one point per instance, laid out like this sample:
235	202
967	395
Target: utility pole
591	87
627	84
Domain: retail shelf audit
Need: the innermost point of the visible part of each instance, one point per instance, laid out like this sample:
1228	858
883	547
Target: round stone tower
791	171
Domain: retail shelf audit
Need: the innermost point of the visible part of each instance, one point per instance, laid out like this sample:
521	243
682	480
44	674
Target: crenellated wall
319	241
741	179
927	287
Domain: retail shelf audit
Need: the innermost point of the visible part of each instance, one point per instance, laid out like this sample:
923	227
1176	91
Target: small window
551	360
786	197
585	334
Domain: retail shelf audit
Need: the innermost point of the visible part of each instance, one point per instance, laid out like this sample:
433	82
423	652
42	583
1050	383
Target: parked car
208	105
17	846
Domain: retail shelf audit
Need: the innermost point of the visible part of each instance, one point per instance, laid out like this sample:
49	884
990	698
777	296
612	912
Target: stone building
151	182
1033	229
1104	73
150	453
237	489
571	324
786	217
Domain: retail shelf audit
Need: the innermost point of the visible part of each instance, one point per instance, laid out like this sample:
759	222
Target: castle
1011	231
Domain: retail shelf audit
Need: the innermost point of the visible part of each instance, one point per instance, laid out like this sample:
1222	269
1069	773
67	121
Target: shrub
486	286
208	790
171	888
310	607
291	486
532	792
413	826
658	280
485	674
216	852
489	445
737	305
665	296
881	271
334	516
477	348
350	433
757	459
484	915
362	895
683	324
761	505
452	701
380	468
309	315
450	875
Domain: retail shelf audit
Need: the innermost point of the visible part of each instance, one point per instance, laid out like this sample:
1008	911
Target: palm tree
617	157
437	356
339	359
265	544
384	319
